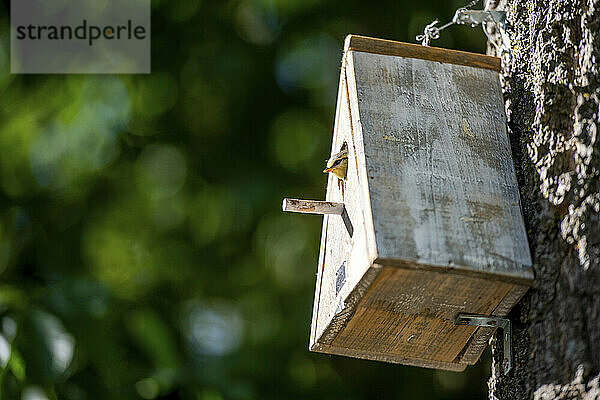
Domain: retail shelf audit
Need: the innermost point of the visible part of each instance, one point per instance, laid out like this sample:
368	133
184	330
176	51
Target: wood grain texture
410	50
312	206
441	182
411	313
390	358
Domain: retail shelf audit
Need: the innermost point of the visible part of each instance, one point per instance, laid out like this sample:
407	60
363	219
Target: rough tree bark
552	92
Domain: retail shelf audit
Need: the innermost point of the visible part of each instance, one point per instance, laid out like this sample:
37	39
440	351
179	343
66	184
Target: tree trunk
552	93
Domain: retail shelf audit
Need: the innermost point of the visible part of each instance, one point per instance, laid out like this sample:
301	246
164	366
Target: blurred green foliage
143	252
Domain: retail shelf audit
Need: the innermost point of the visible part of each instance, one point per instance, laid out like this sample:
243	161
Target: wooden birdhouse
427	224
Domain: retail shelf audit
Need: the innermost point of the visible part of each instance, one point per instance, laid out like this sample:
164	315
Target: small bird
338	163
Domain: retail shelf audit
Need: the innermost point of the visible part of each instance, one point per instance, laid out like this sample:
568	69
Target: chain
431	31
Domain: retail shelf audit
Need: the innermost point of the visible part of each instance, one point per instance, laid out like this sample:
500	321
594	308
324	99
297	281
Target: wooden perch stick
312	206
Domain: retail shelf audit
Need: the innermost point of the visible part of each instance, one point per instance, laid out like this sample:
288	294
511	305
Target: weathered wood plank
525	282
390	358
324	301
409	50
342	254
312	206
441	181
411	313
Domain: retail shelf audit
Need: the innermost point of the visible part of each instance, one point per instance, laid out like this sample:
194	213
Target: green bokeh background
143	253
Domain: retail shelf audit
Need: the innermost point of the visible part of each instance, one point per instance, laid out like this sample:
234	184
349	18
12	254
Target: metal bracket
481	17
492	322
476	17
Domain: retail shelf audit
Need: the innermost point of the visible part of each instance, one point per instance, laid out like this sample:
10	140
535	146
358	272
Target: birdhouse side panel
441	181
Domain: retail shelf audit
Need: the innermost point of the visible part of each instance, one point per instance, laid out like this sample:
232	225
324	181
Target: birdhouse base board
406	315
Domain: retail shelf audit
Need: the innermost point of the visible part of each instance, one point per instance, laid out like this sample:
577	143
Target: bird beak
326	170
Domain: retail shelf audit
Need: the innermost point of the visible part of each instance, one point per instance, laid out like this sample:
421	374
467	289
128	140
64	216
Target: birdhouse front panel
347	243
433	224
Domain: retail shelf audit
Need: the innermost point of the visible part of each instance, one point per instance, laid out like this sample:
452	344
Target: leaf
17	365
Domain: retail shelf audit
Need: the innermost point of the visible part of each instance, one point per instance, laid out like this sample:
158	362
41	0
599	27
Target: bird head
338	163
